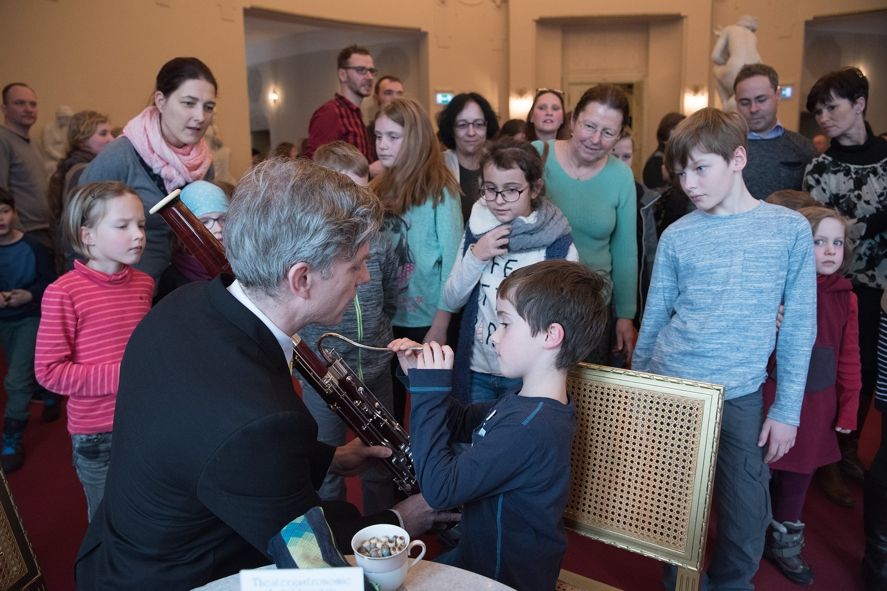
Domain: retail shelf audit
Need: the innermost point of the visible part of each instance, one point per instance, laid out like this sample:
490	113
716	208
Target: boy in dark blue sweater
514	479
26	268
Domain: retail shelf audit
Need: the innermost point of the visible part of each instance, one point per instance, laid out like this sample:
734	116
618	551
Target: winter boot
12	456
783	548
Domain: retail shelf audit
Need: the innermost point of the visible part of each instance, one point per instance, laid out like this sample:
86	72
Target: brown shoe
832	484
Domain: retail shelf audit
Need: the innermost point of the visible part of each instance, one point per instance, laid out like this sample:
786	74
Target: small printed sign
302	579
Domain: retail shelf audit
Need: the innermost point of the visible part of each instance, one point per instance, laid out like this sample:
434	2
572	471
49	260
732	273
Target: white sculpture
736	46
55	137
221	156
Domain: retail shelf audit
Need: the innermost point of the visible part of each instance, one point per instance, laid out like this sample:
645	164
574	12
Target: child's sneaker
783	548
12	455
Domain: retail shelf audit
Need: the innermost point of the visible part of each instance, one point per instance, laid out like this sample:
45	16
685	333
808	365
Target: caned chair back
643	463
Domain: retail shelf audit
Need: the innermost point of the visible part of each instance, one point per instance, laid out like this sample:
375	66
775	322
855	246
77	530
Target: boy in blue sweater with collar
514	479
720	276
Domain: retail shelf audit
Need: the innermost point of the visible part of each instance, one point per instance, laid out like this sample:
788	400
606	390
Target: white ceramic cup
389	572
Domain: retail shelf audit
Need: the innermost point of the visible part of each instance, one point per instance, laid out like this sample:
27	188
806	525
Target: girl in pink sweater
88	316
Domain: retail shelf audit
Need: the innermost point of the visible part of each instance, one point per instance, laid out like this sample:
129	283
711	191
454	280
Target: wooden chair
18	565
643	463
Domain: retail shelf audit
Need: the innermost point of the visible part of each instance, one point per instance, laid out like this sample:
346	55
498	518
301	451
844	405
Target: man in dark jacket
213	451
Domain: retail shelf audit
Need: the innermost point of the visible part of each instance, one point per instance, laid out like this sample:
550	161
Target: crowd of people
489	260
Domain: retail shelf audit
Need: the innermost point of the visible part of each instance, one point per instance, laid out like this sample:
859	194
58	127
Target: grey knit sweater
777	164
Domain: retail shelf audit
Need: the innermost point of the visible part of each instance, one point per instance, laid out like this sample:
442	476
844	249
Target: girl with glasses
209	204
511	226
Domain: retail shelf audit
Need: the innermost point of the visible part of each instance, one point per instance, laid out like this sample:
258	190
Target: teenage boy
26	268
720	275
514	479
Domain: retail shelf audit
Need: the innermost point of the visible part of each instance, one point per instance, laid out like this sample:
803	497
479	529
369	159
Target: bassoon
331	377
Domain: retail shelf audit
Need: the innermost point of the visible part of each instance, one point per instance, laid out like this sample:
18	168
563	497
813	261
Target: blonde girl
831	398
88	315
423	219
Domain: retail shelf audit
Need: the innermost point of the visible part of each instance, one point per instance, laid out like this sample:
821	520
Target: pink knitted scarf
176	166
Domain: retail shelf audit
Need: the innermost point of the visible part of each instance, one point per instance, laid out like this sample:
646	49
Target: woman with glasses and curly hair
464	126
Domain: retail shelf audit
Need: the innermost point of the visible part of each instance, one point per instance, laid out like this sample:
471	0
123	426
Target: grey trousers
376	483
742	494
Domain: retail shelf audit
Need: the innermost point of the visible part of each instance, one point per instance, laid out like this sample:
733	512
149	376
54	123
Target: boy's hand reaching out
412	355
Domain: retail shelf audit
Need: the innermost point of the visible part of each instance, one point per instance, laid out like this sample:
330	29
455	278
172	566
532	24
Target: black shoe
52	407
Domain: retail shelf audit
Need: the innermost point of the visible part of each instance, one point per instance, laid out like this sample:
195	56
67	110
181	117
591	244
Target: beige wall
828	51
104	54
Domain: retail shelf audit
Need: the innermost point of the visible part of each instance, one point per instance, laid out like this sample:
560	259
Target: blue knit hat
202	197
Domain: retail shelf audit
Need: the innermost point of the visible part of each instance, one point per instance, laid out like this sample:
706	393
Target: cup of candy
383	551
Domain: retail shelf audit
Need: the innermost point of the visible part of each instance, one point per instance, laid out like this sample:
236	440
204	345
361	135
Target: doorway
291	68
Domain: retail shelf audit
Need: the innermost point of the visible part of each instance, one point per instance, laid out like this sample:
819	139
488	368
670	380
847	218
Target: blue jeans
92	454
486	387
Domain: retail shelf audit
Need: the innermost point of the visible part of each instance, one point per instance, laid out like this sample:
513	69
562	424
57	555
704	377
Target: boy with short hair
26	268
367	320
513	481
720	275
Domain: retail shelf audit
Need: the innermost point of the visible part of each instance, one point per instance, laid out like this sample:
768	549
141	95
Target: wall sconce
519	104
274	96
695	98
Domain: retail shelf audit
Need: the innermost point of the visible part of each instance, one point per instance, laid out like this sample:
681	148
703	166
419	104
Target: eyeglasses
607	134
361	70
510	195
478	124
208	223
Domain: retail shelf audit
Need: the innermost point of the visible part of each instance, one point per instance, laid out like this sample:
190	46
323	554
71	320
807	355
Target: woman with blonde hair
88	133
423	220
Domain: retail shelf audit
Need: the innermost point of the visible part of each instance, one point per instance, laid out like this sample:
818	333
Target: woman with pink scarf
162	148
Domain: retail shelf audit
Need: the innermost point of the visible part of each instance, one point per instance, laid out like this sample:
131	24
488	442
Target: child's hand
493	243
406	352
18	297
778	437
435	356
844	431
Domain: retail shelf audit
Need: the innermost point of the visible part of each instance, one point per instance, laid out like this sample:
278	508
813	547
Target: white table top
425	576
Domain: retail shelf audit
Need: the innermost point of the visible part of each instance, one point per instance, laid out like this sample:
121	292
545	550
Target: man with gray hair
777	157
213	450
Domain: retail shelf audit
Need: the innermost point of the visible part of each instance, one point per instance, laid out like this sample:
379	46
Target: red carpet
53	509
